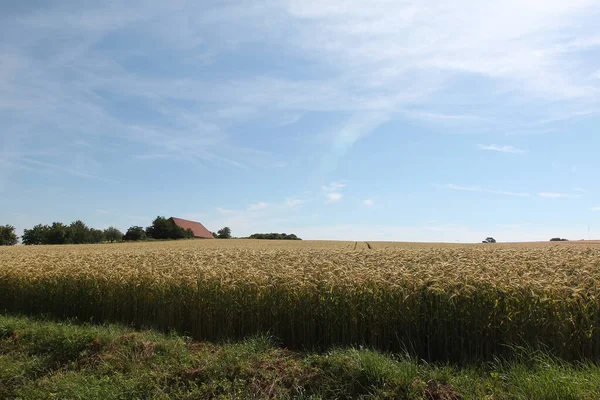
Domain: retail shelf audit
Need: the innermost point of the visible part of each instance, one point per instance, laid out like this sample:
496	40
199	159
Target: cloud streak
501	149
479	189
333	197
552	195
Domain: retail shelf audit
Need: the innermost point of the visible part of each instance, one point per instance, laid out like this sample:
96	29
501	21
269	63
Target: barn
199	230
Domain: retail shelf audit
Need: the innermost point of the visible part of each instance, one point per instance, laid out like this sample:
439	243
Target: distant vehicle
489	240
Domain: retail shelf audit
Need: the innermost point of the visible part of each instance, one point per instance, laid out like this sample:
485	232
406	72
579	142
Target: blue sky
383	120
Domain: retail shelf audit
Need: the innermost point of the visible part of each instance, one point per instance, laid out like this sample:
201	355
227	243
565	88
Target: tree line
77	232
274	236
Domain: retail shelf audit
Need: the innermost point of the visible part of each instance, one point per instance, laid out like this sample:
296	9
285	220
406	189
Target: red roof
199	230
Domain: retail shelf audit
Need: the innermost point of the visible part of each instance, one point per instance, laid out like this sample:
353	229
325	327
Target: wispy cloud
294	202
479	189
370	62
368	203
333	197
552	195
333	186
501	149
332	192
597	208
258	206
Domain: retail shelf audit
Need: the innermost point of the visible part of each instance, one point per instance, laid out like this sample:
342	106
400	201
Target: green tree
135	233
96	236
79	233
163	228
36	235
224	233
112	234
8	237
189	234
58	233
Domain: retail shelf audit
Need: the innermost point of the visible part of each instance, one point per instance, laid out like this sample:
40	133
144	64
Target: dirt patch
441	391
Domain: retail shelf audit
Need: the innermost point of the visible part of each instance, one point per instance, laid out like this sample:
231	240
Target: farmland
438	302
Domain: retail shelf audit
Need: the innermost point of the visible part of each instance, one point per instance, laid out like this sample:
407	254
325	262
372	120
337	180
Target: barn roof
199	230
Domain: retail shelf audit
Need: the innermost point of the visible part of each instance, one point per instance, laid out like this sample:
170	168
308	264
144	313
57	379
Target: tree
8	237
112	234
214	235
489	240
135	233
36	235
58	233
163	228
79	233
96	236
224	233
189	234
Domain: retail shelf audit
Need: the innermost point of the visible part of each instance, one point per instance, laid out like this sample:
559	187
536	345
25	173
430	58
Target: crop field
439	302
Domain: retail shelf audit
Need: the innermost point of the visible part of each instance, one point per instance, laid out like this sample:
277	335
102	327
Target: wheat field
437	301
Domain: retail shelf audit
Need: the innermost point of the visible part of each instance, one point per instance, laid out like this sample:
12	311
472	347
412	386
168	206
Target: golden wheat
437	301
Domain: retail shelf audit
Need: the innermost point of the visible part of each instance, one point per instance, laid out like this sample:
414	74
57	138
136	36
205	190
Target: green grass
42	359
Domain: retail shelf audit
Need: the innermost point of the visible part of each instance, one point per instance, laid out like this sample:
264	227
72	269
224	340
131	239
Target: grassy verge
42	359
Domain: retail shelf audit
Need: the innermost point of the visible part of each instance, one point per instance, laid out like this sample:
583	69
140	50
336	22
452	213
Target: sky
394	120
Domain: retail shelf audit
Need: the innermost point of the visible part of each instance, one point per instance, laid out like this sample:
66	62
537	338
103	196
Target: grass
44	359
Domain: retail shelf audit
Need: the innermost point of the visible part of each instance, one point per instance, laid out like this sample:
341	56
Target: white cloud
482	190
552	195
595	208
501	149
332	192
293	202
368	202
258	206
333	197
333	186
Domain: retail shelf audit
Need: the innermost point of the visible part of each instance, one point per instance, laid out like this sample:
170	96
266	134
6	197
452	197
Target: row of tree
274	236
75	233
79	233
